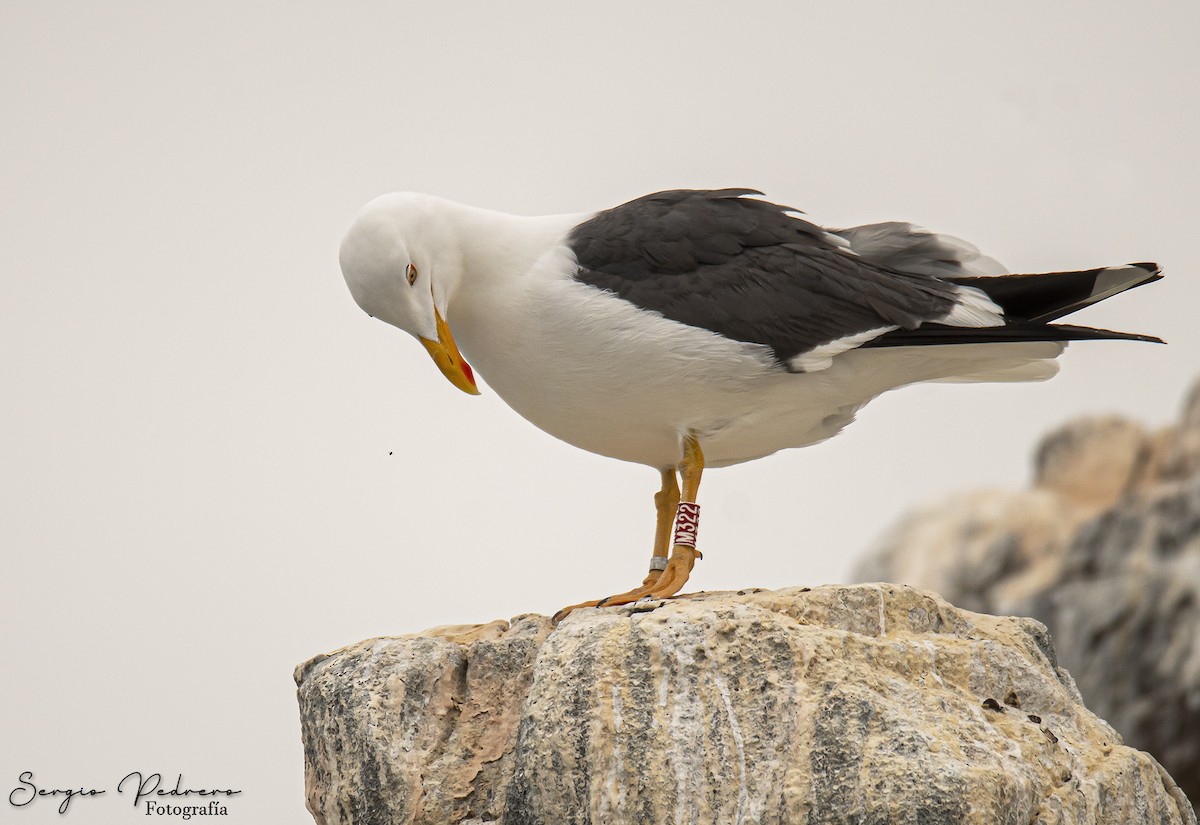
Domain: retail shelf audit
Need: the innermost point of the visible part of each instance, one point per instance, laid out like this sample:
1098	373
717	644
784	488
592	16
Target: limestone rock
1105	550
858	704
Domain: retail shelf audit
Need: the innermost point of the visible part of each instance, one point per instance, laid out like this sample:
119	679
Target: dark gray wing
749	270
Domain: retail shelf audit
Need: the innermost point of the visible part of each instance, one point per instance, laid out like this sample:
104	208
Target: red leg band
687	523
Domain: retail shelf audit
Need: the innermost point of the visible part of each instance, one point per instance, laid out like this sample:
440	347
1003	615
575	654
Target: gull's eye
411	274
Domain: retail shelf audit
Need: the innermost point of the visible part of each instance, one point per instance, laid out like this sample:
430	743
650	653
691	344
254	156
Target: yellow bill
448	359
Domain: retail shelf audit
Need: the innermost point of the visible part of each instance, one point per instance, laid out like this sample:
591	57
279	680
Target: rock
989	549
842	704
416	728
1092	462
1105	550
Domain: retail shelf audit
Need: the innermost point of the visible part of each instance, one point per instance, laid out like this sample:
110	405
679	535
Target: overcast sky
216	466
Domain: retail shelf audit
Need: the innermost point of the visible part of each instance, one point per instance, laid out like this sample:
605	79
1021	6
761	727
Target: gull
703	328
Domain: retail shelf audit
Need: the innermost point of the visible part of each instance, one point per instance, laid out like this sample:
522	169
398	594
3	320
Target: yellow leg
665	502
683	557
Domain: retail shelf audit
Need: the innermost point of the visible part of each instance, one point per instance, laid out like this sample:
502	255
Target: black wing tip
1075	332
1109	335
936	334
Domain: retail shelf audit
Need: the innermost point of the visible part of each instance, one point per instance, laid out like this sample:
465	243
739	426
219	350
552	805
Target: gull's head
402	261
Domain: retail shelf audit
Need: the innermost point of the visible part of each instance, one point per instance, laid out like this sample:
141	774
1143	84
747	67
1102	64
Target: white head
402	262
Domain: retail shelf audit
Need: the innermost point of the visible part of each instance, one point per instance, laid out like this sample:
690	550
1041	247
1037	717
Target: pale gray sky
215	466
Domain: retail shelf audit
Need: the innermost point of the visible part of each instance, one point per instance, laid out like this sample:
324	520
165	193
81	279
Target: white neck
496	242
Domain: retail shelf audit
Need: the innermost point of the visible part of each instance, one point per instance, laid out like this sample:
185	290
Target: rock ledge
854	704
